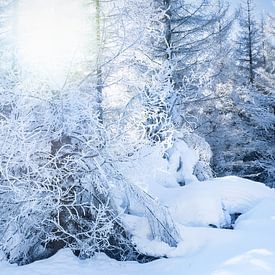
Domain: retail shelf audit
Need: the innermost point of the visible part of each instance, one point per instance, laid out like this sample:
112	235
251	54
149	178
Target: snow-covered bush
183	161
60	185
55	179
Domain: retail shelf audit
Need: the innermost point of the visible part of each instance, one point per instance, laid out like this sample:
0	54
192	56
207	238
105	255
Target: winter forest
137	137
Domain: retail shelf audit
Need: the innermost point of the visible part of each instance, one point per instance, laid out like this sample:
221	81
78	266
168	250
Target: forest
138	135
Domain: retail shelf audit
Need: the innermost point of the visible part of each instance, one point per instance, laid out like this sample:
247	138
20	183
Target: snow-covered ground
249	249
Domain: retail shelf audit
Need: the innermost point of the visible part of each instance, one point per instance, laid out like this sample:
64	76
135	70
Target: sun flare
51	35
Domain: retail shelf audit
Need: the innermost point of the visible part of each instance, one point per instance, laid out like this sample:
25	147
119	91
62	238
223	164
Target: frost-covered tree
172	49
248	52
241	141
181	34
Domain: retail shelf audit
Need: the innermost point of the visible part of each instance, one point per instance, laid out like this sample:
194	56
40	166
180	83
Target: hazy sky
261	5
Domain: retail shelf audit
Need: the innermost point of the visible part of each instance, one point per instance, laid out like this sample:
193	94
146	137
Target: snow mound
212	201
181	162
200	204
140	230
157	164
261	218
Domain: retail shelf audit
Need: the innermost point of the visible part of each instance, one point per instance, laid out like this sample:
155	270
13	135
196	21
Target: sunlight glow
51	35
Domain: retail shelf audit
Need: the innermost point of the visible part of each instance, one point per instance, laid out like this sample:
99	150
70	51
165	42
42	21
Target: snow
181	153
197	203
260	217
249	249
140	229
156	164
212	201
148	165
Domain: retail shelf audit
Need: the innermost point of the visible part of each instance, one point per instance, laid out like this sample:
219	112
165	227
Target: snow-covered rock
157	164
212	201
